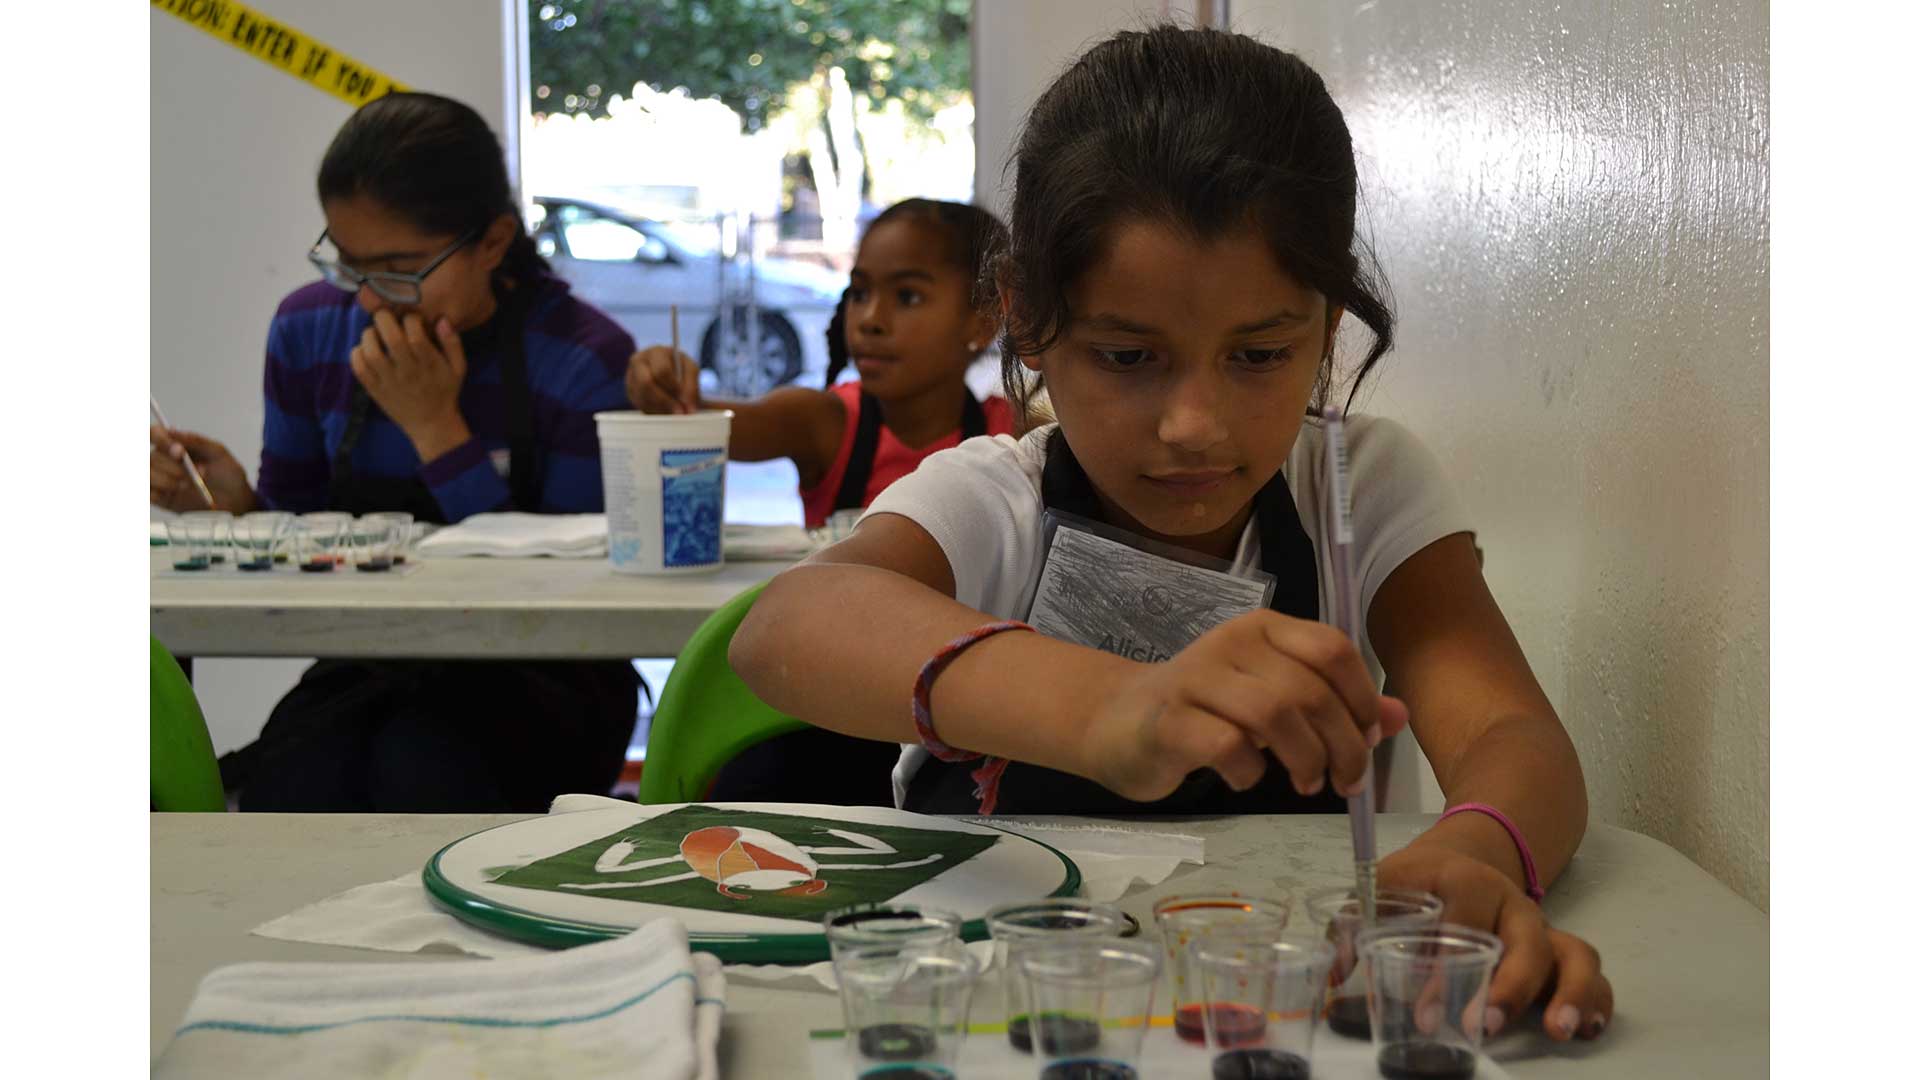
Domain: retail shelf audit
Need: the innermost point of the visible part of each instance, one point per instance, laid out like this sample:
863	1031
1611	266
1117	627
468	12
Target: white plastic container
665	480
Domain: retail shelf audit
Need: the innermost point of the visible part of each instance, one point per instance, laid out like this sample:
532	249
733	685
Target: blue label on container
692	498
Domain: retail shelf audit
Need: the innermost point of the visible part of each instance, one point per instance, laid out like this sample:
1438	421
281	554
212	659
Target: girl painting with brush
437	368
1182	259
911	322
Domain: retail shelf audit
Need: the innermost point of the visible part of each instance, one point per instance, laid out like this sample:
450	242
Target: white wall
1572	206
235	146
1018	48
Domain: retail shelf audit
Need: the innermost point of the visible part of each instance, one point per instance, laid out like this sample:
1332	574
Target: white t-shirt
981	502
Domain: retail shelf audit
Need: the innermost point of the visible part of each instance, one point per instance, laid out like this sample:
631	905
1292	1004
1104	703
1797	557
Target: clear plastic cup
188	542
906	1008
1262	1004
1092	1004
214	528
402	533
1427	988
1185	921
1017	927
877	926
373	538
1337	914
261	538
317	540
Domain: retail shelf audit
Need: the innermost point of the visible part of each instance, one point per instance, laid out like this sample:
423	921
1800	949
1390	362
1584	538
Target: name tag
1109	589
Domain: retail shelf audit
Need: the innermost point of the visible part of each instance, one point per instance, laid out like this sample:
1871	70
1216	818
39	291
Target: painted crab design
741	861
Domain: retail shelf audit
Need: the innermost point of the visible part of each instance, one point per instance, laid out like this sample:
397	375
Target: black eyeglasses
394	288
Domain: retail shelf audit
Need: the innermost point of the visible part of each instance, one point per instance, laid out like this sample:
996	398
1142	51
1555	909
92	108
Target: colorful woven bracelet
1526	854
986	778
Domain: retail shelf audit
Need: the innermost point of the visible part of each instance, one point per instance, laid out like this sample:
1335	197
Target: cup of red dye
1185	921
1338	915
1091	1005
1262	1004
317	540
1427	987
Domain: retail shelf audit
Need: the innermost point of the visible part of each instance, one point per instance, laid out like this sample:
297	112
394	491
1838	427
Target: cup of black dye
906	1007
374	540
1019	926
1427	988
1337	913
1263	999
1091	1004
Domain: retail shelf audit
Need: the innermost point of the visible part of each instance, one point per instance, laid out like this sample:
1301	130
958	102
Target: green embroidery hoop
1015	868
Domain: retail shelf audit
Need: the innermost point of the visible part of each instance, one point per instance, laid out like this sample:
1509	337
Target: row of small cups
316	542
1081	994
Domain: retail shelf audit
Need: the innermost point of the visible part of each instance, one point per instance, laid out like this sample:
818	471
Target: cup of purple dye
1337	913
1427	990
1262	1002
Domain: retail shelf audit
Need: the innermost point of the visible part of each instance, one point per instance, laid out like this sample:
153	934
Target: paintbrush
193	473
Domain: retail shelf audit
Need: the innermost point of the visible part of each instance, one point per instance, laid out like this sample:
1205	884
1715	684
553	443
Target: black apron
526	730
866	443
1286	552
817	765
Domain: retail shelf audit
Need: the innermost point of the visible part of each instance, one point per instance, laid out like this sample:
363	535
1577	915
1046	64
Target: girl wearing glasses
438	368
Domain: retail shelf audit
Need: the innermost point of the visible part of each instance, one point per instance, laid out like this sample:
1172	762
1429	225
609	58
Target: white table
1687	957
528	609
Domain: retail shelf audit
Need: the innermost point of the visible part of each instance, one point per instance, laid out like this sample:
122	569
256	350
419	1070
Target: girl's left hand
1540	963
415	378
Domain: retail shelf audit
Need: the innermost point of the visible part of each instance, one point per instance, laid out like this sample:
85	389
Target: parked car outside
637	268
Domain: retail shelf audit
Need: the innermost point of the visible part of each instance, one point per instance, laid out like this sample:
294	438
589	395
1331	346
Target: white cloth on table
397	916
521	535
637	1006
584	536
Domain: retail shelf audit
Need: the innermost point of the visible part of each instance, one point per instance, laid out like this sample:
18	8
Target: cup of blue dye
906	1007
260	539
1092	1003
212	530
665	482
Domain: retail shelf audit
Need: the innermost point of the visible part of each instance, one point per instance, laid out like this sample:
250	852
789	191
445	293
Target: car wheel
778	364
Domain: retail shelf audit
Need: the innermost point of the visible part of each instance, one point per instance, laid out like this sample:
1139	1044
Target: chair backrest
706	716
184	773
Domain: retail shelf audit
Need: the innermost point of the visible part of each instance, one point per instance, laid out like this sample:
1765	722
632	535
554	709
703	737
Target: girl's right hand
1261	681
661	380
172	489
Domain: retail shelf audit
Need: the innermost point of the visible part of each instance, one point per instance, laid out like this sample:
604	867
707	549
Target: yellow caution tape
273	42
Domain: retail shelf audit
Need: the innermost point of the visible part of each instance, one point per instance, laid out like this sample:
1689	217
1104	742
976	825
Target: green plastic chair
707	716
185	774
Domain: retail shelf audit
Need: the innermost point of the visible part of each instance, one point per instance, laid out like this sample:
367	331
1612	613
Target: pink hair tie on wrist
986	778
1526	854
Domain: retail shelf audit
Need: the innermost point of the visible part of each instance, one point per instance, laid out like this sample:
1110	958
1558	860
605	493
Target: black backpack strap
526	478
866	443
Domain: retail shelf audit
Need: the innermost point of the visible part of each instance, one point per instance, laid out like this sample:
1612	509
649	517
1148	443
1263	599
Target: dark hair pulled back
1202	129
433	161
973	235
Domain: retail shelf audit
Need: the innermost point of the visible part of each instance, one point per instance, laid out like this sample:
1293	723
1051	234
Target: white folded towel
638	1006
